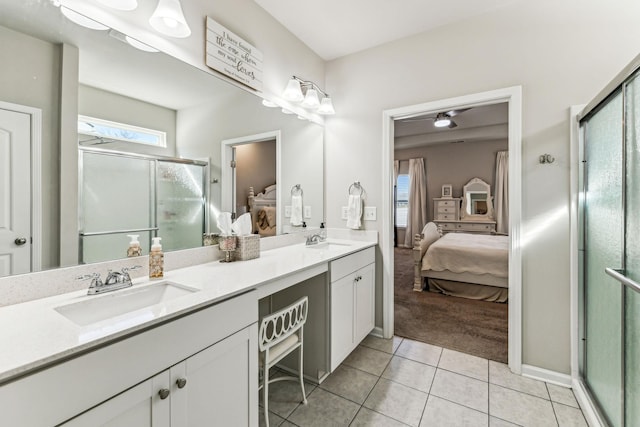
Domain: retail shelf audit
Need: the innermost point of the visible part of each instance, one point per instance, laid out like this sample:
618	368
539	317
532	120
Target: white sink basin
106	306
328	245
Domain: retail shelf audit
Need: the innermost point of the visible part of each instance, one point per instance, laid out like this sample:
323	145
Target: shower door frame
154	191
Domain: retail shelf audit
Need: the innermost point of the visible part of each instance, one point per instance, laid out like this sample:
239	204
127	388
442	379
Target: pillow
430	234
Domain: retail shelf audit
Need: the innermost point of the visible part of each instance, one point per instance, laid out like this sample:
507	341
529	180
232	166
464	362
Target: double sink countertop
42	332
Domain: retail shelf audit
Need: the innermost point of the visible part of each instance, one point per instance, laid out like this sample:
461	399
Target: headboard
263	211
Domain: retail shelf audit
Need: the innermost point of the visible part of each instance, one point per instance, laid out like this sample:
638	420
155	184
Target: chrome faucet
115	280
314	239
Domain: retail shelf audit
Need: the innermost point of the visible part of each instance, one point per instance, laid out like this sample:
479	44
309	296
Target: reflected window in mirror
92	131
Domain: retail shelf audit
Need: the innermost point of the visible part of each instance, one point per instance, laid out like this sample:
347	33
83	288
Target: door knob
20	241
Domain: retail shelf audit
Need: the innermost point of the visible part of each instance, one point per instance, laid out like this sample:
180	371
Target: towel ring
296	189
356	185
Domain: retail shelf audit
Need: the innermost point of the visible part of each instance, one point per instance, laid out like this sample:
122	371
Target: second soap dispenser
156	260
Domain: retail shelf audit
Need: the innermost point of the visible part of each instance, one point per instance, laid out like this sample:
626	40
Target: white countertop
34	335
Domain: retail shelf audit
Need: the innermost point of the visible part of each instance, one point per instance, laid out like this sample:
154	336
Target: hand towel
354	211
296	210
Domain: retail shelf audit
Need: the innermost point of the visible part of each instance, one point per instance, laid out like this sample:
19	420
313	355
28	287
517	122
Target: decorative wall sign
232	56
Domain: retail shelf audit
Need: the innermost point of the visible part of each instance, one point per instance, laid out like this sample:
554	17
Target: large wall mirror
63	70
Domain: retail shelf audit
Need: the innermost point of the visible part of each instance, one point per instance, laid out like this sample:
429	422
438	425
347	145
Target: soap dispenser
134	246
156	259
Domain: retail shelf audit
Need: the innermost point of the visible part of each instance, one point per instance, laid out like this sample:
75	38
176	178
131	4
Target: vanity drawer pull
181	382
164	393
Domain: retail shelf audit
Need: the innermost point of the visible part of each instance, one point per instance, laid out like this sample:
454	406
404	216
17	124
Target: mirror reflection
59	71
477	201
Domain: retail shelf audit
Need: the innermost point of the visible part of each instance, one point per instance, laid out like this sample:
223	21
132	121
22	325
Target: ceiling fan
440	120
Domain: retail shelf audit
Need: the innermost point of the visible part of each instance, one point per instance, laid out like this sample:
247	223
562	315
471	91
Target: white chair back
283	323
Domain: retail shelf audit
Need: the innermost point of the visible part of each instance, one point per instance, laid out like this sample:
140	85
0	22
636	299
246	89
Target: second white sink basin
327	245
106	306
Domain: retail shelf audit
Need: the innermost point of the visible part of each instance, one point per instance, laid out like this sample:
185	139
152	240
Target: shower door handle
620	277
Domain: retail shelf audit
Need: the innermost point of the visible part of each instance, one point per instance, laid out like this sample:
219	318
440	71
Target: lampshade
293	92
168	19
442	121
311	99
120	4
326	106
82	20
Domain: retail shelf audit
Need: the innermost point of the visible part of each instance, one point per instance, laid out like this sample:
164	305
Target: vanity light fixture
268	103
131	41
120	4
310	98
82	20
284	110
169	20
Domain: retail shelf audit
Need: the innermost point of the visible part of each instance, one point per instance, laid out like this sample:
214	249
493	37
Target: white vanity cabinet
352	302
210	387
213	348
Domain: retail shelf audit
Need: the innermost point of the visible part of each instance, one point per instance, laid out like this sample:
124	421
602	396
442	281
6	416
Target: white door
15	192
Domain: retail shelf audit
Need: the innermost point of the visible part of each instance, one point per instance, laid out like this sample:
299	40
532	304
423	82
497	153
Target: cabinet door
139	406
364	303
341	319
219	385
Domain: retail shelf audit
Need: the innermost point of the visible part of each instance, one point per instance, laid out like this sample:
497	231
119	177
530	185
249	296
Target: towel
354	211
296	210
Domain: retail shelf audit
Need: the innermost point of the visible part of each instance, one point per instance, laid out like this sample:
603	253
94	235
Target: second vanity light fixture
310	99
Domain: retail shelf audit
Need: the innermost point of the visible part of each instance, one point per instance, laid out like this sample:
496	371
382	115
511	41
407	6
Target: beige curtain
417	215
502	192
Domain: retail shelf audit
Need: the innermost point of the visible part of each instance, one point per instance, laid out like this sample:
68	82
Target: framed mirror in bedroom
477	202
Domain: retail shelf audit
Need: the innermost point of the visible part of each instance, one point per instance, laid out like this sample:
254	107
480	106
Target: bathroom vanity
181	351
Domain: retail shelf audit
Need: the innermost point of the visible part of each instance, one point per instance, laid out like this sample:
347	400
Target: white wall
562	53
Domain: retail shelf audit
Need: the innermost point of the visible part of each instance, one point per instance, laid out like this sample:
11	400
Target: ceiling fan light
82	20
120	4
311	99
169	20
293	92
442	120
326	106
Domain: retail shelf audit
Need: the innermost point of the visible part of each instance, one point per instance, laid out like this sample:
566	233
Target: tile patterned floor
400	382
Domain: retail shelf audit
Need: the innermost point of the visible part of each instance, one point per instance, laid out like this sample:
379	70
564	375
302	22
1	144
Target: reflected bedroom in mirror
122	141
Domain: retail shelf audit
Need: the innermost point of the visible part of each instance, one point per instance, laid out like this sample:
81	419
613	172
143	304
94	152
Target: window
402	200
102	131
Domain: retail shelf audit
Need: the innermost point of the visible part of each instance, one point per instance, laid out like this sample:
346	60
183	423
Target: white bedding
469	253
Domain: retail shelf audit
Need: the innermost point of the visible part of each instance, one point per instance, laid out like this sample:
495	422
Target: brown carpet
474	327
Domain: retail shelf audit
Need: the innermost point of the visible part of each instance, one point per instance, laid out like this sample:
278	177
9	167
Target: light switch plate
345	211
370	213
287	211
307	211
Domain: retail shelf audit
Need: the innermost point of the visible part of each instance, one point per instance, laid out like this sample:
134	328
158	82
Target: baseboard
377	332
591	414
546	375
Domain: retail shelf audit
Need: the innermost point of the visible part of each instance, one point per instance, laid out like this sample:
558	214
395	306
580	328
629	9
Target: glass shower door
603	243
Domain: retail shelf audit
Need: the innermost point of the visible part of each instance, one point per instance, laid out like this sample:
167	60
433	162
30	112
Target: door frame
513	97
36	179
226	175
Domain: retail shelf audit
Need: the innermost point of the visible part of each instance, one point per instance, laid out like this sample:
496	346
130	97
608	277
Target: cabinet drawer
447	203
350	263
445	209
445	217
476	227
447	226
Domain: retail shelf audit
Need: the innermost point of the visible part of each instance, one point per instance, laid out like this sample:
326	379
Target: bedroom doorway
512	97
464	307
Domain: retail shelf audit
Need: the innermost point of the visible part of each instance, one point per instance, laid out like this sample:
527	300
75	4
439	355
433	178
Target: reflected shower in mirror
63	71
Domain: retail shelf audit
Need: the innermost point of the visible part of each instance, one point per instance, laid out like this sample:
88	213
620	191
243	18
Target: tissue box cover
248	247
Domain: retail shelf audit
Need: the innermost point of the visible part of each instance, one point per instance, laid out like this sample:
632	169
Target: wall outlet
370	213
287	211
307	211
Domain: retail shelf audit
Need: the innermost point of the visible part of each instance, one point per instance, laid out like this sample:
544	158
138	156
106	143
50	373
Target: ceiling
335	28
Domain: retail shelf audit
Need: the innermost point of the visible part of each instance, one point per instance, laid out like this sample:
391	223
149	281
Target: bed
262	207
462	264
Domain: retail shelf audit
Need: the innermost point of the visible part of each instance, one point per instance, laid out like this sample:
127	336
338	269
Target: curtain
417	210
502	192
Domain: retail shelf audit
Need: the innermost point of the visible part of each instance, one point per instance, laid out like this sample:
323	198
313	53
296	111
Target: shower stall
609	304
122	194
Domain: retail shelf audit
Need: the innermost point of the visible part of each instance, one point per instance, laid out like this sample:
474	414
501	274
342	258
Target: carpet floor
474	327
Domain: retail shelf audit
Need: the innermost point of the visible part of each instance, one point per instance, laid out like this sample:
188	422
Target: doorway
513	97
20	136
